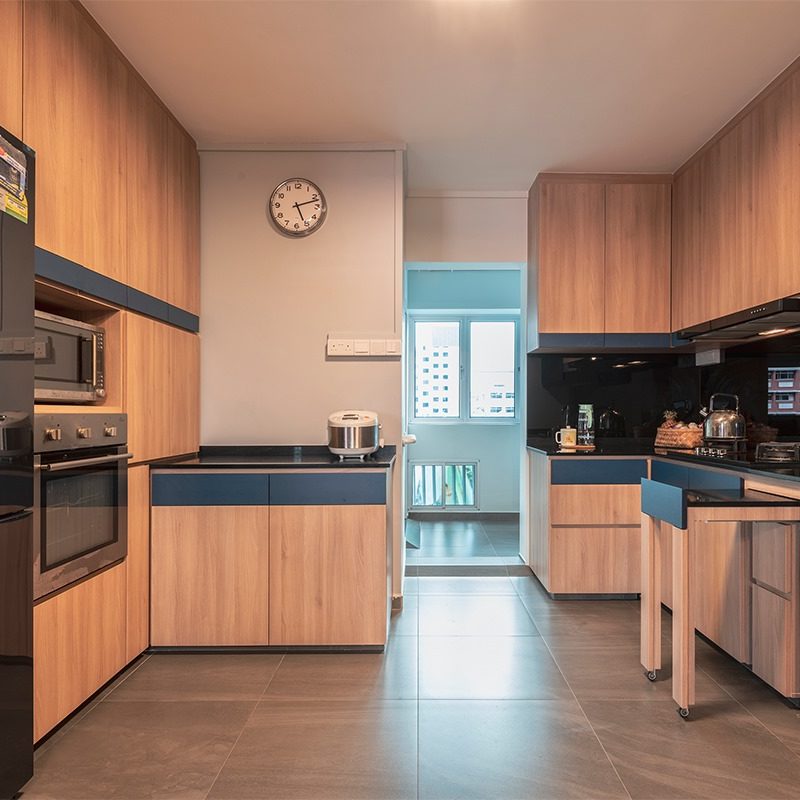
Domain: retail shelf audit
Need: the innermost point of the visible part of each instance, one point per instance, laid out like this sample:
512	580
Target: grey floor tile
511	750
185	676
465	585
410	584
447	550
720	752
141	750
489	668
405	621
349	676
323	750
474	615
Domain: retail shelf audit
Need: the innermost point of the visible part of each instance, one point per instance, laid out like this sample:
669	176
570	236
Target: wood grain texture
595	560
138	563
328	575
184	391
571	257
683	625
773	555
74	91
79	644
539	519
687	292
11	67
612	504
650	638
148	188
183	217
210	575
637	257
664	532
774	641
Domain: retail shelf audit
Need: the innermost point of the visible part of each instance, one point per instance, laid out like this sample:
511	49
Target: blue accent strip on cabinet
694	477
597	471
68	273
569	340
656	341
327	490
197	489
664	502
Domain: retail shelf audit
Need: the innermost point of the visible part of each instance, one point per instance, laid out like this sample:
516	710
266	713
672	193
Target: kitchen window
443	485
481	356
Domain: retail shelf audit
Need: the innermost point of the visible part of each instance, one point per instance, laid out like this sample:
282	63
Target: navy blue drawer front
593	470
328	490
694	477
203	489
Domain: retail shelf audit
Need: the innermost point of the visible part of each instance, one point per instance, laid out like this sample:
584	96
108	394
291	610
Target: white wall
268	301
472	229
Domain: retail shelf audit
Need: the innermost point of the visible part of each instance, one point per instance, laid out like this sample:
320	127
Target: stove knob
84	433
52	434
110	430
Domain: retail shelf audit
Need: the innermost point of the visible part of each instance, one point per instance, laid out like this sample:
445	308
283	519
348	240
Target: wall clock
297	207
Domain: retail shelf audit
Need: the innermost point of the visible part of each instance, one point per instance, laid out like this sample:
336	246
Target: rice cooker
353	434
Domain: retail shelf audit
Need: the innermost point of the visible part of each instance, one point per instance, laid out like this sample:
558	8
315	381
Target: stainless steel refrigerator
16	463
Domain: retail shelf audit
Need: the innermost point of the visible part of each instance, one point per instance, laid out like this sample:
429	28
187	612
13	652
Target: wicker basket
679	438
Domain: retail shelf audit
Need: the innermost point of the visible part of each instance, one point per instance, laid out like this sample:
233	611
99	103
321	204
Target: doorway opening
462	407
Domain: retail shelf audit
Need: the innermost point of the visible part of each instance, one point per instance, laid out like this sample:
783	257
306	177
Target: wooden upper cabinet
570	257
183	215
147	231
11	67
637	258
75	88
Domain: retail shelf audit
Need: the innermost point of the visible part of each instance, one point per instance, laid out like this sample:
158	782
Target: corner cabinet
599	255
260	557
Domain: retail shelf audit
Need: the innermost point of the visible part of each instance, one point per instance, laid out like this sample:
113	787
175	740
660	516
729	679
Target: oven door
80	515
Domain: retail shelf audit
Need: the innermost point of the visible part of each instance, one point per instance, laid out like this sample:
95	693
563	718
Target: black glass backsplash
639	388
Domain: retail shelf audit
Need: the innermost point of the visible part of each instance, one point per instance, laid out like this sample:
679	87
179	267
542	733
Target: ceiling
485	93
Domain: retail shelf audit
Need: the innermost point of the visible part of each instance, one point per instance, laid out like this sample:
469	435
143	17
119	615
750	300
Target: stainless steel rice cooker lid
353	419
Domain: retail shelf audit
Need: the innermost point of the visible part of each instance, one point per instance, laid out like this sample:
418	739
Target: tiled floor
448	541
487	690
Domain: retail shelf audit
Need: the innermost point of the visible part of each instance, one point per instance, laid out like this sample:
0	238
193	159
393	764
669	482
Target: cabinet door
571	257
162	389
75	88
688	297
79	644
138	562
11	67
328	575
147	230
210	575
637	258
774	641
183	216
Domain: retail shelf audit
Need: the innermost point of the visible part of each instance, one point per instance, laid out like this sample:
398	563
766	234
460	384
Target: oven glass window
79	512
59	356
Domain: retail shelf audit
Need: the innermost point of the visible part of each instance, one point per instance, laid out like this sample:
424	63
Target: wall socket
340	347
363	348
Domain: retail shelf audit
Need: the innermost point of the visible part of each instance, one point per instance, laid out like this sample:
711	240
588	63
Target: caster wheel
684	712
652	675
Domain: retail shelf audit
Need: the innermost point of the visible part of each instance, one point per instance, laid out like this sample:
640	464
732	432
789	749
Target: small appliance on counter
585	425
611	423
724	428
353	434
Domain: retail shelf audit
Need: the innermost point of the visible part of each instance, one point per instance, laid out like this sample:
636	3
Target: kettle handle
723	394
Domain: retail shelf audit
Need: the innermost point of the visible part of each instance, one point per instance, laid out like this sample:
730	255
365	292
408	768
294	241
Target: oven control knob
110	430
52	434
84	433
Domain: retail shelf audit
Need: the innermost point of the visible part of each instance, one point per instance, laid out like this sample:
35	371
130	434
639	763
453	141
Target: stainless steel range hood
769	319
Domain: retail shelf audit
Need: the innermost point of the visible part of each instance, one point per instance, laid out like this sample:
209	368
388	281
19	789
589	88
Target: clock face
297	207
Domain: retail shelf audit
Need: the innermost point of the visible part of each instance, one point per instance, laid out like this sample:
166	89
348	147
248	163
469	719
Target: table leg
650	636
683	642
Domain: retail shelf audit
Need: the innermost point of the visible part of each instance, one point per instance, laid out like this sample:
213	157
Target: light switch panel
361	347
393	347
377	347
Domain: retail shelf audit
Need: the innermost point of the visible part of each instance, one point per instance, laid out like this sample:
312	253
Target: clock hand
306	202
297	206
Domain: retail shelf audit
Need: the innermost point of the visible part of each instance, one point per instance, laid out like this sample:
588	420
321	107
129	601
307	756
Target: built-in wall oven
80	497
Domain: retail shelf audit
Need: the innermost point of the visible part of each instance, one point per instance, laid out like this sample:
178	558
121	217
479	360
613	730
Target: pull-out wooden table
686	511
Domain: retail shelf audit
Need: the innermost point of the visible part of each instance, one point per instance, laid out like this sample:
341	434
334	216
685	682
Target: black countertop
276	457
644	449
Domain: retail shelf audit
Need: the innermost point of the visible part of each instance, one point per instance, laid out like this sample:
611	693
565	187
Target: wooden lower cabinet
775	641
210	575
138	562
79	644
328	575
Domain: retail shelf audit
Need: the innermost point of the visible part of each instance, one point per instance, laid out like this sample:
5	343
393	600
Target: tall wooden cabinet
11	67
74	90
137	637
599	255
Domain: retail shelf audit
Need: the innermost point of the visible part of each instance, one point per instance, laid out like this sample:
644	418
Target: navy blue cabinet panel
325	489
694	477
665	502
214	489
597	471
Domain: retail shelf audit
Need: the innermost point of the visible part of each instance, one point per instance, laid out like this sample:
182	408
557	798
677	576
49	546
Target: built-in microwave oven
68	360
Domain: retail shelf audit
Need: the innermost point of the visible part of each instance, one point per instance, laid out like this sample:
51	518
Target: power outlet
340	347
